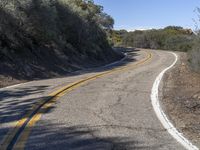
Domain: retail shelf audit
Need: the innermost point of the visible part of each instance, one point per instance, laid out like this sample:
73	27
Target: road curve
110	112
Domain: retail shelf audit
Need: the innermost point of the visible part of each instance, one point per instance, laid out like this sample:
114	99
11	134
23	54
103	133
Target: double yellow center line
17	137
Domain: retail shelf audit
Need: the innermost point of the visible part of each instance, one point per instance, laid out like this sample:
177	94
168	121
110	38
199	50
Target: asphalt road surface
111	111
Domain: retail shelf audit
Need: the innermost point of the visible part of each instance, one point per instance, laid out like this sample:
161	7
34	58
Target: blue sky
145	14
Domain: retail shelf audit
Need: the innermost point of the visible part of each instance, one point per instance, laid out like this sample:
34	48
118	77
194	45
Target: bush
55	24
194	55
169	38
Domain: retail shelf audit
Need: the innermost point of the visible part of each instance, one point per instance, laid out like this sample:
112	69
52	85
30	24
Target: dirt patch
181	99
20	72
6	81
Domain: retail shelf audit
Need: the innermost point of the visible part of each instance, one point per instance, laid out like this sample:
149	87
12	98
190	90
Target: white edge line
114	63
162	116
16	85
108	65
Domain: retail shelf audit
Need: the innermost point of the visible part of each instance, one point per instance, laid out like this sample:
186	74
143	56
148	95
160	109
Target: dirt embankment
181	99
21	69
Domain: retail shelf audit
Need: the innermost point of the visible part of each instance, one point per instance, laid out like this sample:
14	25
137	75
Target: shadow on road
16	103
131	53
81	137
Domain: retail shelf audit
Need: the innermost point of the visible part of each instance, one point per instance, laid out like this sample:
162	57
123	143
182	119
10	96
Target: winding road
96	109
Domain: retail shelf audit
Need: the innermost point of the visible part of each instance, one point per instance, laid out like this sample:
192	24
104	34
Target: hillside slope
46	38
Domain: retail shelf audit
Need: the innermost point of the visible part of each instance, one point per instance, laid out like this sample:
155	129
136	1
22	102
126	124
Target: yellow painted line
21	141
16	125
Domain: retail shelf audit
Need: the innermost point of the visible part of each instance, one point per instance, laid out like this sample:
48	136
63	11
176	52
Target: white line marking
162	116
114	63
16	85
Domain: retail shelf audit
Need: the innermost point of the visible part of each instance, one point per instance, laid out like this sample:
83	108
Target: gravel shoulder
181	99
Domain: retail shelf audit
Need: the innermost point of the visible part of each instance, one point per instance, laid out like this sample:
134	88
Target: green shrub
54	24
194	55
169	38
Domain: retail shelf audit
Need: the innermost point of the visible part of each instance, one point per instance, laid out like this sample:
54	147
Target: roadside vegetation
52	35
194	54
169	38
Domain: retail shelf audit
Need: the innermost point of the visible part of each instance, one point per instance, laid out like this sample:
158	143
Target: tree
194	54
105	21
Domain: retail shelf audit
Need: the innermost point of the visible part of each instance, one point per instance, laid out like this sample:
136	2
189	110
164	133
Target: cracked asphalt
113	112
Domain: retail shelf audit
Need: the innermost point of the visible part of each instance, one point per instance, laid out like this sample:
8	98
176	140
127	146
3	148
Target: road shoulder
181	99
